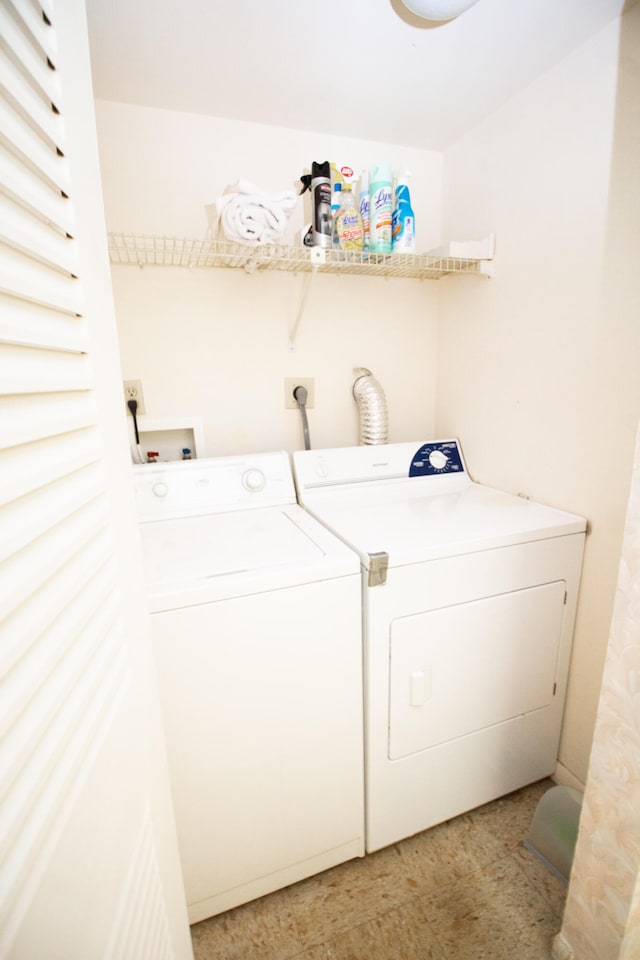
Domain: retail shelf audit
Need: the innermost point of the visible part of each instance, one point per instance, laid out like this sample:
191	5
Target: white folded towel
247	215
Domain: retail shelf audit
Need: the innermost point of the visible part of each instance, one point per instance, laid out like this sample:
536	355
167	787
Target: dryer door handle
420	686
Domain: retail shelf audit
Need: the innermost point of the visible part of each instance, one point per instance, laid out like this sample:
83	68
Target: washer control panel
191	487
433	459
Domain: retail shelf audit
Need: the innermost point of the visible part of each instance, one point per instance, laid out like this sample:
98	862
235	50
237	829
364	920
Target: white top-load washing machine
469	598
256	615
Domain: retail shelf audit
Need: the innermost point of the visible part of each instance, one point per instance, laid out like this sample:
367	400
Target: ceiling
362	68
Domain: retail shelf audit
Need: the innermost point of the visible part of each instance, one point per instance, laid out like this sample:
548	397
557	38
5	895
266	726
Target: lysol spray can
380	208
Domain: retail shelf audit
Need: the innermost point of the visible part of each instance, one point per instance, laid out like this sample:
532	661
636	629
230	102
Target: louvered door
88	863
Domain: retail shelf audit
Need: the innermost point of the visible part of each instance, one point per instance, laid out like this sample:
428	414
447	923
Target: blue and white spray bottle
404	223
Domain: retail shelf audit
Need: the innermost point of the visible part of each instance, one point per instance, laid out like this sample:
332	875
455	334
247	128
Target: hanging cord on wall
136	453
300	394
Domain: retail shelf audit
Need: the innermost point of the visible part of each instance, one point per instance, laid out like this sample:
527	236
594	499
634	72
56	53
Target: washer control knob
160	489
253	480
438	459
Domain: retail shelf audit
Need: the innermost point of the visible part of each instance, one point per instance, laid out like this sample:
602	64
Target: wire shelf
143	251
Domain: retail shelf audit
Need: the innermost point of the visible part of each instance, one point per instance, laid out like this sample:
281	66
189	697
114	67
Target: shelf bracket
317	258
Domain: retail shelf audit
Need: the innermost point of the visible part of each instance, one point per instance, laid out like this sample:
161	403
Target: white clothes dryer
256	614
469	598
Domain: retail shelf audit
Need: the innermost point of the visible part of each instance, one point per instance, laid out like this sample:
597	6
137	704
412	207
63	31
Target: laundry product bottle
364	208
348	228
380	207
336	203
321	203
403	223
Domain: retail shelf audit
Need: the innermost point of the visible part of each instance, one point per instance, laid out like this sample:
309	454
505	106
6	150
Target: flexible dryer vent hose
372	406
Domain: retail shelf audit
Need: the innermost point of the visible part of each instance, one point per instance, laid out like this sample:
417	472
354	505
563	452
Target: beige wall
215	343
538	370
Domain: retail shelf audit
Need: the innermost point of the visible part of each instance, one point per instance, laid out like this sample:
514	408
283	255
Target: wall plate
290	383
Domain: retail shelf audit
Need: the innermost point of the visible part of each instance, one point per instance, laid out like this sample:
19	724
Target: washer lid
410	522
197	559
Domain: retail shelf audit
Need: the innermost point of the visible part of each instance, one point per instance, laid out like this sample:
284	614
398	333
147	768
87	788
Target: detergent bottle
348	228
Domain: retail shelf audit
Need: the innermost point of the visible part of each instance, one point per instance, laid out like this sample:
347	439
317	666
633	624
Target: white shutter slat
31	149
77	734
32	516
29	735
141	896
30	324
26	418
34	666
45	576
35	108
26	187
31	280
25	734
33	465
35	238
31	57
40	371
30	16
24	820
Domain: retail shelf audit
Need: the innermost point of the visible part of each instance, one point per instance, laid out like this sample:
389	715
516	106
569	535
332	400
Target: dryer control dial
434	459
253	480
160	489
438	459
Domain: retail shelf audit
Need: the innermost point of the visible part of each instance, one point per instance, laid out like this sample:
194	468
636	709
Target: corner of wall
565	778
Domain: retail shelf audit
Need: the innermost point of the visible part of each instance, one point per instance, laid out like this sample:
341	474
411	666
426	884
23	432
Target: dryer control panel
378	463
433	459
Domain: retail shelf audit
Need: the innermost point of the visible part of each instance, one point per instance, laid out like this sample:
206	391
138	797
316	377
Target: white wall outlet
290	384
133	391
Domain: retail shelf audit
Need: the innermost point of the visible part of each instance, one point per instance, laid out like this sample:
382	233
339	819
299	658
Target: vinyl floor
464	889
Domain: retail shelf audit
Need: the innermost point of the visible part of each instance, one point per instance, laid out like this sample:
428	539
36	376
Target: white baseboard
565	778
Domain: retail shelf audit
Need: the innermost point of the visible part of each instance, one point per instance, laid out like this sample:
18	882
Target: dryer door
460	669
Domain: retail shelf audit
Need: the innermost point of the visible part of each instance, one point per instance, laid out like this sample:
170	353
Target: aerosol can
319	182
380	208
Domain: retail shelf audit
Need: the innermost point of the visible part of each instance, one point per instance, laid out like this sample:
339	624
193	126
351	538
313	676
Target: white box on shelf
484	249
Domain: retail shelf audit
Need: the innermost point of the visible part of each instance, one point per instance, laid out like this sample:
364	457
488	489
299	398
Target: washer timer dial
253	480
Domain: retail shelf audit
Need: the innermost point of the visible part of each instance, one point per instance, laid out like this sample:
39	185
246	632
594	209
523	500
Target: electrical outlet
290	384
133	391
